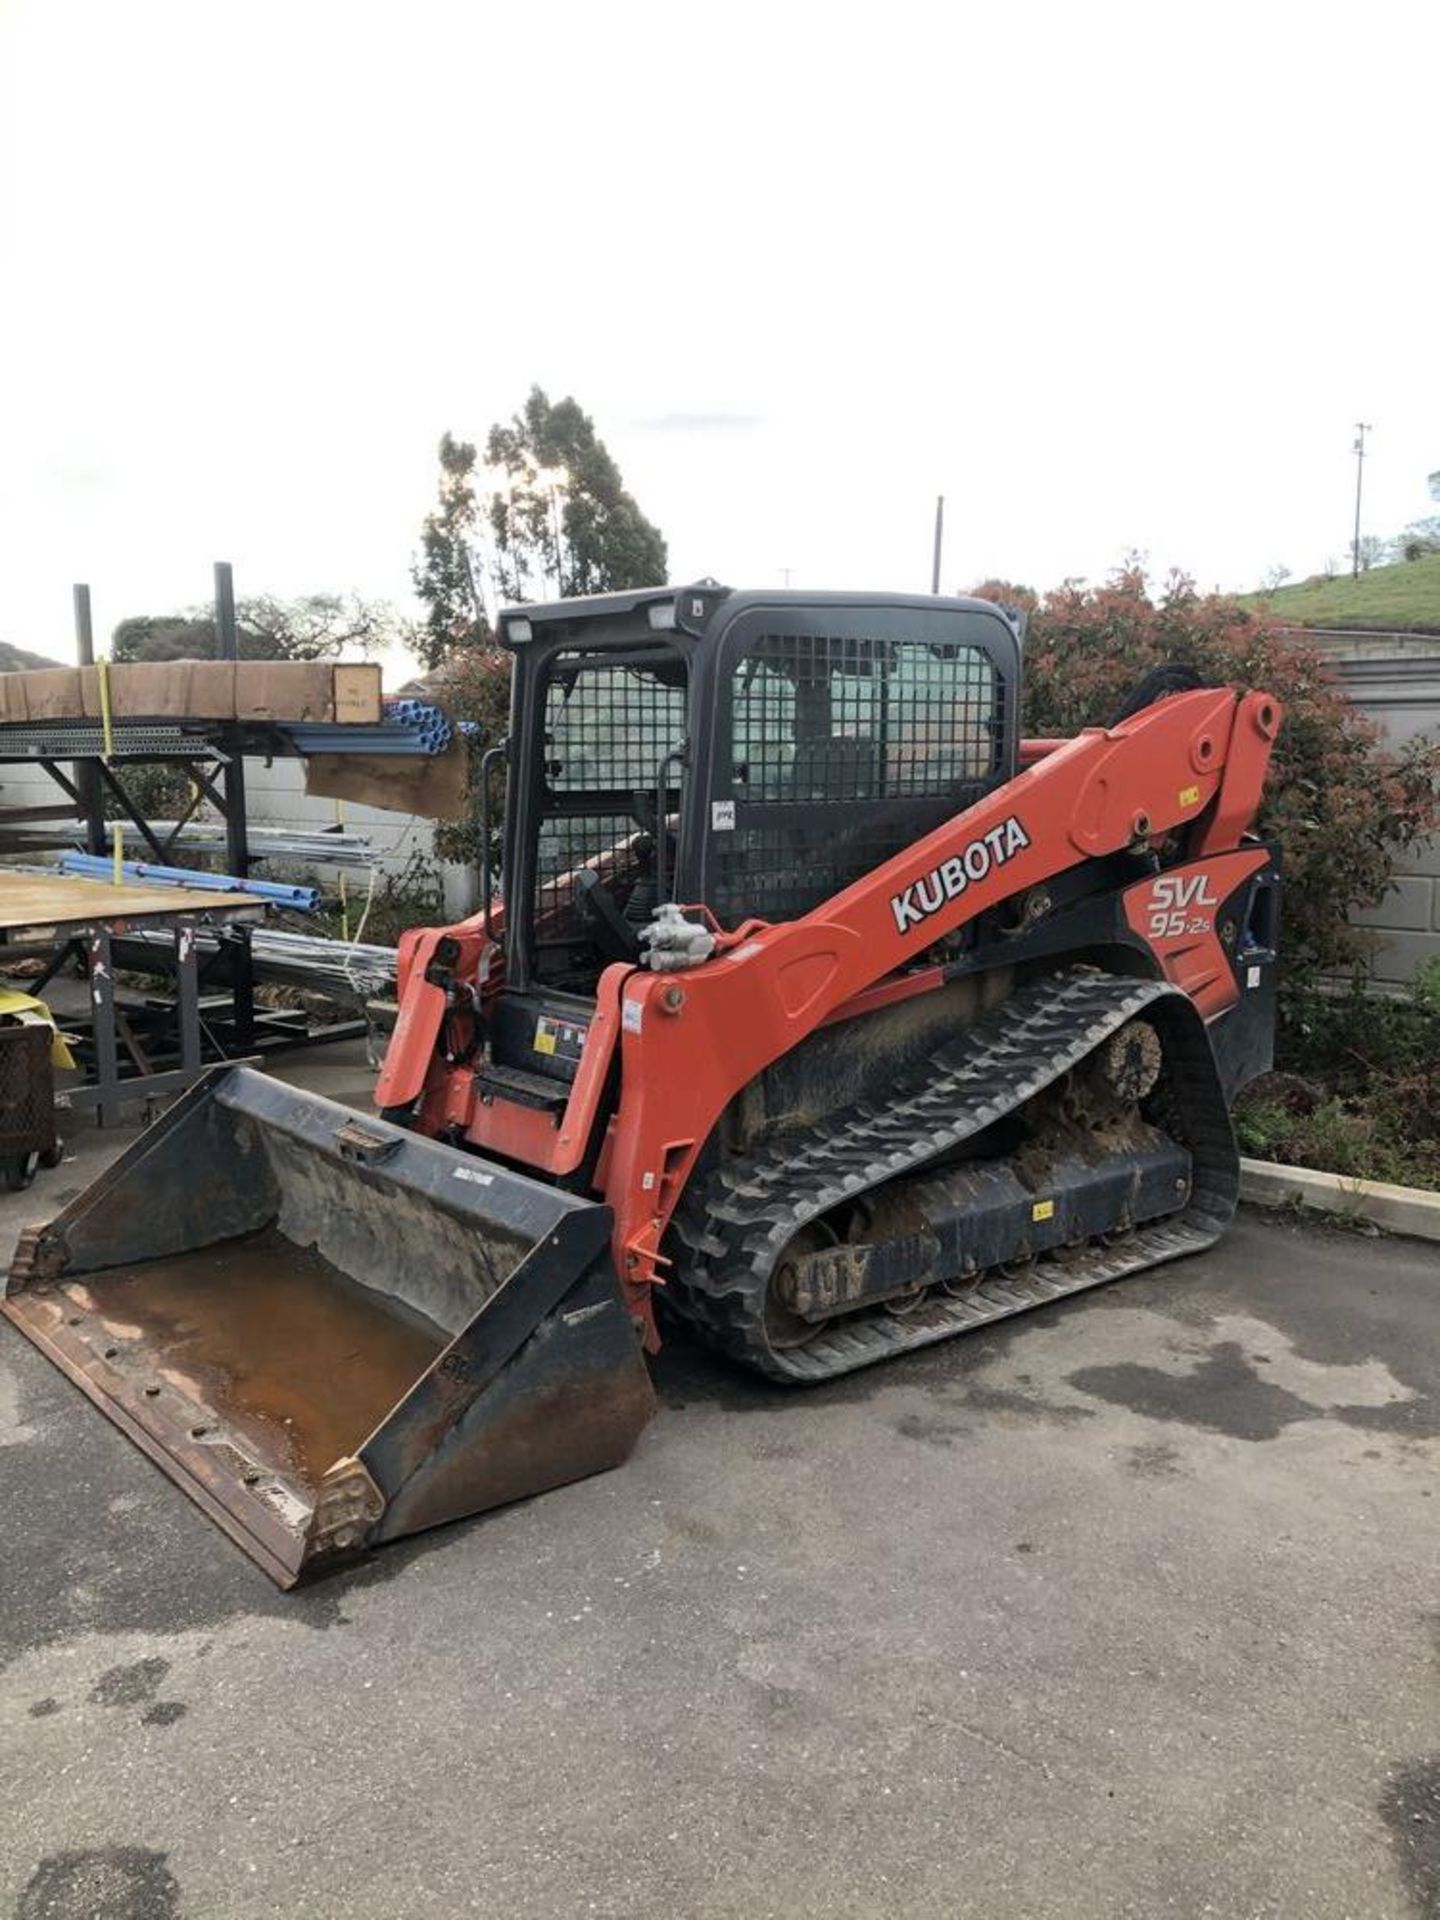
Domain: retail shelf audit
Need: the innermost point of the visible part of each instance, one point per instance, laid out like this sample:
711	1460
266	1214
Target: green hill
12	659
1404	598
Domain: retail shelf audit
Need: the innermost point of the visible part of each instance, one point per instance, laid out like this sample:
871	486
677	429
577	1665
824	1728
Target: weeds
1356	1089
413	897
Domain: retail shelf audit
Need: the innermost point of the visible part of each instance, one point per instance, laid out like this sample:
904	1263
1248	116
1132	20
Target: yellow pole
106	726
108	744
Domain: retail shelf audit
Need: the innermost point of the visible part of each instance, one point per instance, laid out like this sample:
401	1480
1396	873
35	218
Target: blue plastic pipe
100	867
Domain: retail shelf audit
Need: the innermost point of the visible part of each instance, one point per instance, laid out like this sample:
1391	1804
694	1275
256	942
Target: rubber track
737	1223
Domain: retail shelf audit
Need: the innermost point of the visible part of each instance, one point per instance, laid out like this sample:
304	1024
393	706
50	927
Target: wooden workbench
32	900
61	912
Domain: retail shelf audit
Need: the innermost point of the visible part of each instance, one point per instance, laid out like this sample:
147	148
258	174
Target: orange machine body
687	1043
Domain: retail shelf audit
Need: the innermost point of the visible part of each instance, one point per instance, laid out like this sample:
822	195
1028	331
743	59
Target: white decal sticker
722	816
1252	976
647	1182
1173	900
473	1173
971	865
632	1015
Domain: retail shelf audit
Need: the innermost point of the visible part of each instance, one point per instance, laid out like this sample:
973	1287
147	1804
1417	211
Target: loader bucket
331	1332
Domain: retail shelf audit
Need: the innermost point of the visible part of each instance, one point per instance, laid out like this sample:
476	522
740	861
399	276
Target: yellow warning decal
1043	1210
1189	796
544	1039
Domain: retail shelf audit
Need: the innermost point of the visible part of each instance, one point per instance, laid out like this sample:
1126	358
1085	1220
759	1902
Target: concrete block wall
1407	920
1395	679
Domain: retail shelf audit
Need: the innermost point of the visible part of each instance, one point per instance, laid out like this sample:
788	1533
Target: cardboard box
432	785
166	690
53	693
284	690
357	696
306	691
173	690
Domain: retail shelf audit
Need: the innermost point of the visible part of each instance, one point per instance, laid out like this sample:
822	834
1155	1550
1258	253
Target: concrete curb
1410	1210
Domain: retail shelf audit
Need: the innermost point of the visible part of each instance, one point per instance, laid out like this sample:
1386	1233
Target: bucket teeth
329	1331
347	1509
36	1259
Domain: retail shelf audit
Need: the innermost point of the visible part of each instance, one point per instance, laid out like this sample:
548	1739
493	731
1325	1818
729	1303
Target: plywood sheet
63	899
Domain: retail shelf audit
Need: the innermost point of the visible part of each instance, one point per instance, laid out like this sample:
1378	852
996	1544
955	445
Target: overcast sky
1108	277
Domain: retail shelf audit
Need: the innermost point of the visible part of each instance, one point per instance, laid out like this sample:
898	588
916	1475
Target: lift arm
690	1042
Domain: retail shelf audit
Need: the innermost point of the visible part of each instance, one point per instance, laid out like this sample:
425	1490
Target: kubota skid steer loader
821	1008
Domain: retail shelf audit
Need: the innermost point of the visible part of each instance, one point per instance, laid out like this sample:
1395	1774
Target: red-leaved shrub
1340	804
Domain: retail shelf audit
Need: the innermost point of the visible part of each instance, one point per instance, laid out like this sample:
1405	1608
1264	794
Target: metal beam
233	811
87	779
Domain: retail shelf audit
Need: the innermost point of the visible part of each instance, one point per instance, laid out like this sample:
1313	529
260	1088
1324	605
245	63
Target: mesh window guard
608	726
840	719
845	749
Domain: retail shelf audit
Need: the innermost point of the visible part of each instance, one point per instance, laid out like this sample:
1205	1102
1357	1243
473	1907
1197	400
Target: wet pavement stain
931	1429
780	1707
42	1709
1157	1461
687	1373
130	1686
101	1883
1414	1419
1307	1282
156	1565
1223	1394
691	1527
1410	1808
164	1713
1028	1406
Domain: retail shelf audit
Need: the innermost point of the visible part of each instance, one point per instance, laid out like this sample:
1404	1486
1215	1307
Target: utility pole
1362	427
939	541
86	772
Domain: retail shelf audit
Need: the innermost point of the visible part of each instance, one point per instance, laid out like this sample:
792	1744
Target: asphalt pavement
1128	1607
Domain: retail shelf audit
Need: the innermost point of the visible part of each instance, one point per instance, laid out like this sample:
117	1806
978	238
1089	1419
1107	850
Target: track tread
738	1220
